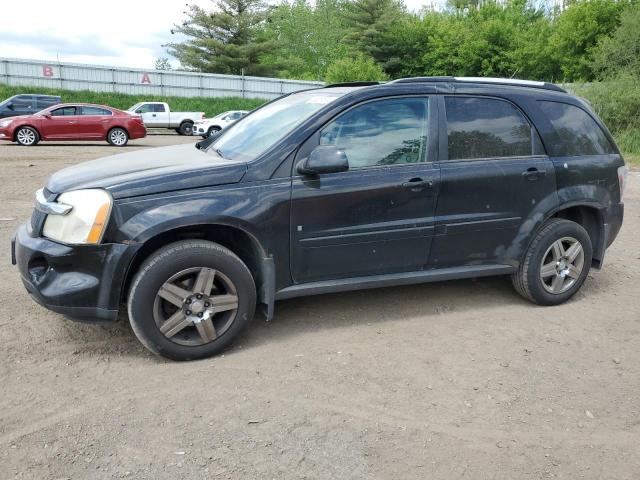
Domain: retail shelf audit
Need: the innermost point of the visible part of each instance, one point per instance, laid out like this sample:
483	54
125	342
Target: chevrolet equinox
339	188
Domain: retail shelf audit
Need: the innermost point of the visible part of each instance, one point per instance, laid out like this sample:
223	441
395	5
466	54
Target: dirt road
444	381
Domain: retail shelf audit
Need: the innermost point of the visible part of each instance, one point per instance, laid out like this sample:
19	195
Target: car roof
84	105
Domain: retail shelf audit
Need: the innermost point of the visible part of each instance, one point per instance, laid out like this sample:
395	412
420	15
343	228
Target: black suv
337	188
27	104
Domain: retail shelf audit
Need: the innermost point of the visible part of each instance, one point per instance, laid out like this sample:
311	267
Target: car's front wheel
556	263
27	136
191	299
118	137
212	131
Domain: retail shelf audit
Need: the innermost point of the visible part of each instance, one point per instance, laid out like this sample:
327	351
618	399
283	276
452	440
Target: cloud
120	32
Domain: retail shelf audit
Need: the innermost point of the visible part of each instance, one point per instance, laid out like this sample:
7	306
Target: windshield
131	109
256	133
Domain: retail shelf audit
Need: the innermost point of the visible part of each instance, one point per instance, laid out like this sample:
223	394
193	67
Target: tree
307	37
621	51
370	24
162	63
225	40
357	68
577	30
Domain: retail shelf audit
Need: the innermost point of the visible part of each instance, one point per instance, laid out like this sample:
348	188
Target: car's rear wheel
27	136
185	128
556	263
191	299
211	131
118	137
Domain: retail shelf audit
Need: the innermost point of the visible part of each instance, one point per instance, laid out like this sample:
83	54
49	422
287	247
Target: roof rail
351	84
486	80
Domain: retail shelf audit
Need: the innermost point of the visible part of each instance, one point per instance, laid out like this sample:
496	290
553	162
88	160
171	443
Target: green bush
357	68
211	106
617	103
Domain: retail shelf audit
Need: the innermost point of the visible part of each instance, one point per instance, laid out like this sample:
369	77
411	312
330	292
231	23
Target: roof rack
486	80
351	84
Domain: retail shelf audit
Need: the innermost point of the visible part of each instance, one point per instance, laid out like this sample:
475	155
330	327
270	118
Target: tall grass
617	102
211	106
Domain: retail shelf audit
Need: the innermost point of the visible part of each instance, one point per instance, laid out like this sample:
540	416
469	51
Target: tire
212	130
547	276
118	137
150	309
185	128
27	136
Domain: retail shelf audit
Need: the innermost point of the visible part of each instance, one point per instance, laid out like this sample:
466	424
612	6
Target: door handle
153	114
533	173
417	184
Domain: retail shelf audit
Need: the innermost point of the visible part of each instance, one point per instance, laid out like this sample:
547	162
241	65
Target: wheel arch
122	127
15	130
241	242
590	217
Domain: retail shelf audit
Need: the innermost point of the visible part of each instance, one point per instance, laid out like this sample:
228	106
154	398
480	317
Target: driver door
378	216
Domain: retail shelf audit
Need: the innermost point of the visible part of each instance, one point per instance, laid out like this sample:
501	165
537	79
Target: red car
77	121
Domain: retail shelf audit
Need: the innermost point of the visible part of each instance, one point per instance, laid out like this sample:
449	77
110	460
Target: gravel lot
453	380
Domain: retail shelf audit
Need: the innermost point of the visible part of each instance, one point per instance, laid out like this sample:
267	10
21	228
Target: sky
126	33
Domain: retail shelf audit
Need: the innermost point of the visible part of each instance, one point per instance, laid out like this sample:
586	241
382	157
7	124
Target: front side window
485	128
385	132
577	132
146	108
22	103
64	111
159	108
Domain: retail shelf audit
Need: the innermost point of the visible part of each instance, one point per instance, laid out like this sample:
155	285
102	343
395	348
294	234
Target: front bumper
6	134
199	130
83	282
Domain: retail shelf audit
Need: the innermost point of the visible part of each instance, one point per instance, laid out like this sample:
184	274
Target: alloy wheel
195	306
562	265
26	136
118	137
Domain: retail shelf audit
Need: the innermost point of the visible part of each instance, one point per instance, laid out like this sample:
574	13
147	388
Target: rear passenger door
95	122
494	173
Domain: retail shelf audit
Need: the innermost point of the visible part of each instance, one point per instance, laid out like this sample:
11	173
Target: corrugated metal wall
74	76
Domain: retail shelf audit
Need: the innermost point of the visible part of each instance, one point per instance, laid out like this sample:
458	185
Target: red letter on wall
47	71
145	79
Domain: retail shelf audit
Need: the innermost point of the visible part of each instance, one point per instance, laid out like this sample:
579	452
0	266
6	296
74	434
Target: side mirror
324	159
47	115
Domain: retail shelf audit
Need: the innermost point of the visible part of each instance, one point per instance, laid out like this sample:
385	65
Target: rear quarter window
576	132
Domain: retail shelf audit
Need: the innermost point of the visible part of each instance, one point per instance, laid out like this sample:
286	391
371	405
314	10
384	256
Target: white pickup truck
159	115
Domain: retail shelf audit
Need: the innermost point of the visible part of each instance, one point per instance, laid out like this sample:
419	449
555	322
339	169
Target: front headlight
5	123
86	221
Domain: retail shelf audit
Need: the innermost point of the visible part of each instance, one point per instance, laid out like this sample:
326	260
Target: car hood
149	171
15	117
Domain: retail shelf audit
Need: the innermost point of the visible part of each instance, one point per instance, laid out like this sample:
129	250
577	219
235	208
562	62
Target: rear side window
44	102
486	128
385	132
95	111
577	132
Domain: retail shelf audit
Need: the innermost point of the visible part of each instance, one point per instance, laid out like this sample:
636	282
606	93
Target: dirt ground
453	380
